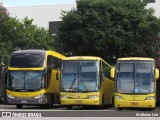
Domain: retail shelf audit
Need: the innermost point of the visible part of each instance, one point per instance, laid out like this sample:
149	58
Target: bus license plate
78	101
134	103
23	101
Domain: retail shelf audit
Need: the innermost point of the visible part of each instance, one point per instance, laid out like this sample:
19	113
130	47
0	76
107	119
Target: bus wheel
50	105
120	108
69	107
19	106
112	105
102	103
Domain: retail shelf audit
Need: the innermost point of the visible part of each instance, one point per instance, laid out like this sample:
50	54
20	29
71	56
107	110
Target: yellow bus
85	80
33	78
135	82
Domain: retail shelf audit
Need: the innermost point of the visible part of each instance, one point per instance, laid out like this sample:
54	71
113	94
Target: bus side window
106	70
59	64
56	66
54	63
49	68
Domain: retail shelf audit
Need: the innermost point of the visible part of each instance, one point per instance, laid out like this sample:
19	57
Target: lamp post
1	3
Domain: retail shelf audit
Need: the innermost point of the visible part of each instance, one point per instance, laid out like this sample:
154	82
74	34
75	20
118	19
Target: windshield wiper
83	84
72	83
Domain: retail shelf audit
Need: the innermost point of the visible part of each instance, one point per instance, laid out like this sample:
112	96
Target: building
154	4
49	16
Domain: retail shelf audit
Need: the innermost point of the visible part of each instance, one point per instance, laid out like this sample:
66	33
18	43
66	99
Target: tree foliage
16	35
4	18
109	28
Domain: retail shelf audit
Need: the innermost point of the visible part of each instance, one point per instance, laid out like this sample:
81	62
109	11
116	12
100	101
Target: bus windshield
79	76
135	77
25	80
27	60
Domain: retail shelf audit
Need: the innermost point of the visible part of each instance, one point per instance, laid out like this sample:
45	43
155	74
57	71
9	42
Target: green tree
29	36
109	28
16	34
4	28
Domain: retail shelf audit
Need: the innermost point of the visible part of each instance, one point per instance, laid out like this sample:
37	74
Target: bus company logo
6	114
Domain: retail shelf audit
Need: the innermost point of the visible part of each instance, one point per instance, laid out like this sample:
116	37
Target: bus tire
19	106
50	105
69	107
112	102
120	108
102	103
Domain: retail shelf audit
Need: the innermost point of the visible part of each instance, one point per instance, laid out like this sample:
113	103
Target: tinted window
79	76
106	69
25	80
27	60
135	77
53	62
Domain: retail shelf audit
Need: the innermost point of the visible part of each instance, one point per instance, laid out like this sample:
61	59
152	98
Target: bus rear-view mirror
156	73
112	73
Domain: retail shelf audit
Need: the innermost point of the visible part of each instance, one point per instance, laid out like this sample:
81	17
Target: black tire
50	105
69	107
112	105
1	102
19	106
120	108
102	105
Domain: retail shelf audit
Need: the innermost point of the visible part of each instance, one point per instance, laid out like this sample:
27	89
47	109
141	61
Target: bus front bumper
135	104
41	99
94	101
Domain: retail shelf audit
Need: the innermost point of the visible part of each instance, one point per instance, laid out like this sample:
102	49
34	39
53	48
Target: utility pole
1	3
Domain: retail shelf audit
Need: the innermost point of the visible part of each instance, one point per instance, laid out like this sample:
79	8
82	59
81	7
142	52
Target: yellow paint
138	100
53	86
25	94
105	93
131	100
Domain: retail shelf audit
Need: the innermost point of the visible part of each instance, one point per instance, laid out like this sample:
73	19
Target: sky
17	3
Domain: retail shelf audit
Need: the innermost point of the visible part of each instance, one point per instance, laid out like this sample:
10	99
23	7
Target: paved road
78	111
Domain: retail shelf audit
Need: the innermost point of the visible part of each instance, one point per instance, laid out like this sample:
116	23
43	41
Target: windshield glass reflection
135	77
79	76
25	80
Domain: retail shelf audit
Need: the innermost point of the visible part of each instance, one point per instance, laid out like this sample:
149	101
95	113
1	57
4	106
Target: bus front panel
26	87
138	100
135	84
26	98
90	98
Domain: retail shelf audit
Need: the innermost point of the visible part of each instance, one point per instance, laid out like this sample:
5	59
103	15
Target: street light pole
1	3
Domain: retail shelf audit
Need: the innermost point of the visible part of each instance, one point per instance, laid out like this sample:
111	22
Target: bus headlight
39	96
150	98
119	97
91	97
10	96
64	96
